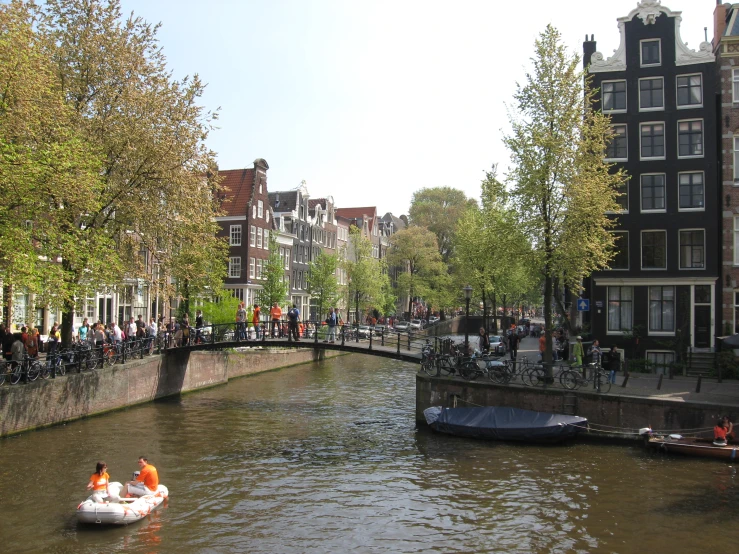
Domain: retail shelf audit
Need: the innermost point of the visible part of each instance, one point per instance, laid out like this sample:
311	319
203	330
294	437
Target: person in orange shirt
255	319
146	481
542	345
99	482
275	314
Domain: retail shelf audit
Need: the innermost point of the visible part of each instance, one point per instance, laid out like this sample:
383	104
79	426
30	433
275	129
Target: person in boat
146	481
729	426
719	432
483	342
99	482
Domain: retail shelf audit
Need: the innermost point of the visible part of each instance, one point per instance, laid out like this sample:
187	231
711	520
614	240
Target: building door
702	330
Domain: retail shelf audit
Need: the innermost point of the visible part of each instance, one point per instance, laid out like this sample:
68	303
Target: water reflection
328	458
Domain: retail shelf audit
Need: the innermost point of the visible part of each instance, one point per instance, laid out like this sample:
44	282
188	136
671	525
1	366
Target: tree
364	273
322	285
274	287
439	209
415	251
158	178
561	187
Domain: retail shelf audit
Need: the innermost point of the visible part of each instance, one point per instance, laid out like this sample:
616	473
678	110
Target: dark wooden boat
692	446
503	423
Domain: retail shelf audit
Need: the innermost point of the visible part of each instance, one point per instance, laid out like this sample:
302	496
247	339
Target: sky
371	100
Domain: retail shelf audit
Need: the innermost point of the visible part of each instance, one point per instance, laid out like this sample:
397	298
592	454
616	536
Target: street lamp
467	295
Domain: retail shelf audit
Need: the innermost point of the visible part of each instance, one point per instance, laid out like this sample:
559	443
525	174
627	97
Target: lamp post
467	295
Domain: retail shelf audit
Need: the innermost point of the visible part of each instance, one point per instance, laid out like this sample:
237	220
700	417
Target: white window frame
657	108
703	139
641	250
736	240
234	267
641	186
260	208
677	90
252	267
625	195
626	96
621	331
260	269
253	211
680	250
259	237
736	309
266	239
664	136
626	137
735	85
648	352
234	234
252	235
641	51
661	333
628	253
703	177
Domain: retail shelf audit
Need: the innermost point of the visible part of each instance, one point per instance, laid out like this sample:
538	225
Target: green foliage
274	287
222	311
322	284
728	363
365	275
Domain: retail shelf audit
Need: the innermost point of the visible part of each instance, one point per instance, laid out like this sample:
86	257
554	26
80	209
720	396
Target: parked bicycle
573	378
13	370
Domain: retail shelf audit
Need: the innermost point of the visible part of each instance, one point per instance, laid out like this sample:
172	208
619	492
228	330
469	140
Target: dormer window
651	52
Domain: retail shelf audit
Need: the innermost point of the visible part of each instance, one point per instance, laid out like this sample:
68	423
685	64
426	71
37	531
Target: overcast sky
370	101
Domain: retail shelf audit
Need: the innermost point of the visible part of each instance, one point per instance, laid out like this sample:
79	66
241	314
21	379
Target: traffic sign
583	305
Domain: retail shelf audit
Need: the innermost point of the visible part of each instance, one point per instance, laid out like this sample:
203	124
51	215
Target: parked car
497	345
364	331
416	324
433	319
380	329
402	326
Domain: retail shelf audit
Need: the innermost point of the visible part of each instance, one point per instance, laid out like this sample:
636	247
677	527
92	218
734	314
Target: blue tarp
503	423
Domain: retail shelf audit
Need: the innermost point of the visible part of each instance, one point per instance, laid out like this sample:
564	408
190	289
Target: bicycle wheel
34	370
605	384
445	367
61	367
537	377
569	379
498	374
44	369
3	371
108	357
469	370
428	367
15	373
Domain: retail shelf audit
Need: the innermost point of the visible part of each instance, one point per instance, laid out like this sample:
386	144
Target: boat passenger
729	426
146	481
99	483
719	432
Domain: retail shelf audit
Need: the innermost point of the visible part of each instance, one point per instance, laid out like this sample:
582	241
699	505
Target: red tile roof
369	212
236	190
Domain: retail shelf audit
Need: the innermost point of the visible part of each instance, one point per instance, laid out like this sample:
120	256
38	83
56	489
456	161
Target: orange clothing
149	477
99	482
275	313
719	432
255	318
542	343
300	329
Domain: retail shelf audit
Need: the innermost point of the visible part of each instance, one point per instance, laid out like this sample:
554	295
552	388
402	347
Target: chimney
588	49
719	23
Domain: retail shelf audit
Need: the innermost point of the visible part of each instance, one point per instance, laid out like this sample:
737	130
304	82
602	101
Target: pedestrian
198	326
332	321
275	315
596	353
293	317
483	341
255	319
241	322
542	347
513	342
613	363
152	332
577	351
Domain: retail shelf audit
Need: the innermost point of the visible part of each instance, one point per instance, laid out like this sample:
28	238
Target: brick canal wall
78	395
616	411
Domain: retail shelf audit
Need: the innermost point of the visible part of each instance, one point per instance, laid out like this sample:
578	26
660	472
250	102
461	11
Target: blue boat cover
504	423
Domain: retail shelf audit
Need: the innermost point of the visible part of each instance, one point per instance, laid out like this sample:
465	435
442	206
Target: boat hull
502	423
120	511
702	448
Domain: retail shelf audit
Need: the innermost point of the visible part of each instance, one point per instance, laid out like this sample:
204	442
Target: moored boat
119	511
503	423
692	446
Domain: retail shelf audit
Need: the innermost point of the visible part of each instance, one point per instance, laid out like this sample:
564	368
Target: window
614	96
623	196
252	235
735	88
620	309
234	267
253	212
702	294
690	138
252	267
661	309
692	249
736	311
266	239
653	140
661	361
736	240
653	193
650	52
259	237
235	235
287	258
689	91
90	309
691	191
617	148
260	208
653	249
651	93
260	266
621	249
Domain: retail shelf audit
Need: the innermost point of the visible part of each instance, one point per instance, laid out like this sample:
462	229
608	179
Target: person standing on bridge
293	317
331	321
275	315
255	319
241	322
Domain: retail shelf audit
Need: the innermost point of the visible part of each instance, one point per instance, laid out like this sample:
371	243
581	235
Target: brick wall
74	396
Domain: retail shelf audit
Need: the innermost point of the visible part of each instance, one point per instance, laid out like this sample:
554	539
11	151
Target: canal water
326	457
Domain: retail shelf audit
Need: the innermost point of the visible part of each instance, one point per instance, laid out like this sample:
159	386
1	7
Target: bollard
626	379
698	384
382	337
398	343
264	333
370	336
659	383
409	341
342	335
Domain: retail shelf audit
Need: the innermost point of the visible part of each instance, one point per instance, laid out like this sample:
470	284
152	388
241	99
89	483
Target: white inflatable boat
119	511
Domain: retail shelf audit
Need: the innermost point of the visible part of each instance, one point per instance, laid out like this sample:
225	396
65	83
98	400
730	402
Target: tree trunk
548	324
67	323
495	314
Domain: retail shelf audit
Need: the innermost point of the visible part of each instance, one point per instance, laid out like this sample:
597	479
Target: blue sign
583	305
